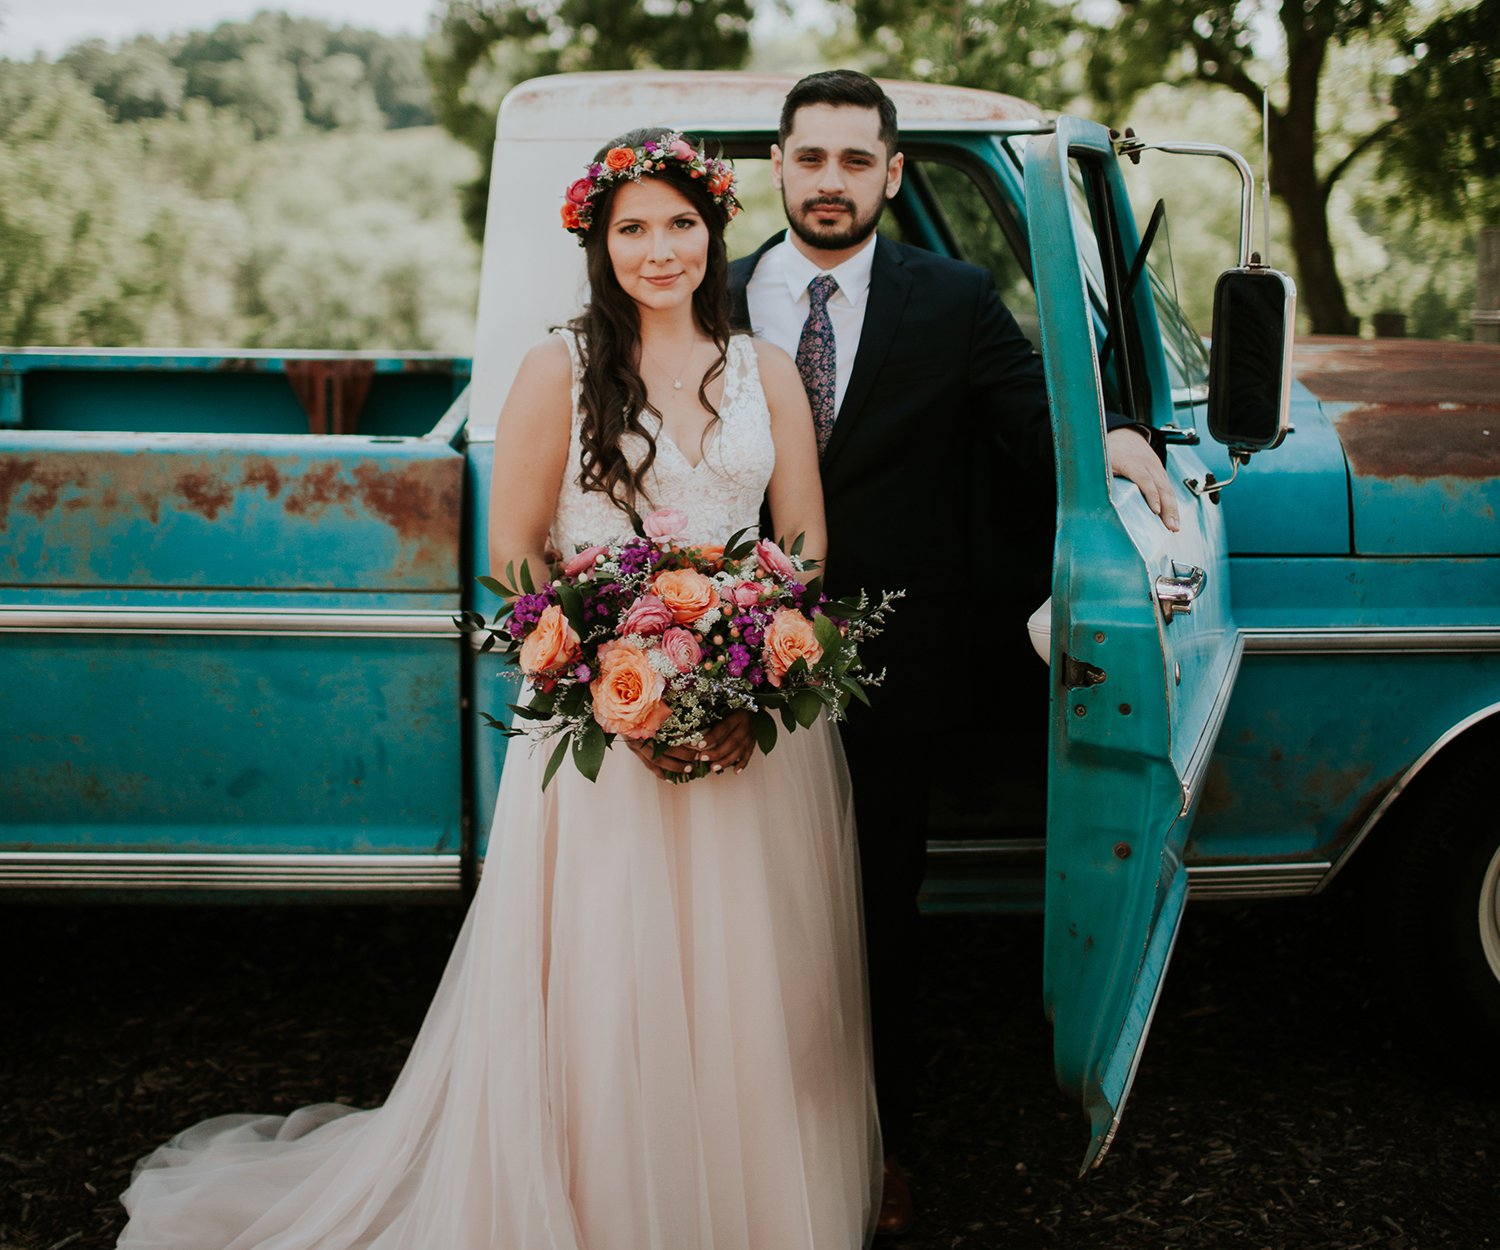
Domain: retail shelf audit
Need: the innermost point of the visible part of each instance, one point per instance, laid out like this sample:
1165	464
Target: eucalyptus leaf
588	750
764	725
560	750
806	707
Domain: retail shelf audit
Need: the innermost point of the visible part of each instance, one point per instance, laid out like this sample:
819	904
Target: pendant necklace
676	381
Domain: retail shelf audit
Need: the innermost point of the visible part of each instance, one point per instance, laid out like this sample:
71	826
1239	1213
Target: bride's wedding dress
651	1034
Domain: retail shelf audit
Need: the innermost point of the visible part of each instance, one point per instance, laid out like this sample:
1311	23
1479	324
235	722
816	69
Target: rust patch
264	474
410	502
204	494
1402	372
1423	441
15	472
317	490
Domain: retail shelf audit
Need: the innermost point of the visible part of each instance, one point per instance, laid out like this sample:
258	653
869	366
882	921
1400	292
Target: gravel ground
1276	1105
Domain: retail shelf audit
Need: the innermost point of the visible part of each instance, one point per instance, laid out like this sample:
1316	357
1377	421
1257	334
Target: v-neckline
711	429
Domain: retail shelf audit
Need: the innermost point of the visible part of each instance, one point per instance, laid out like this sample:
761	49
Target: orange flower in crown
623	164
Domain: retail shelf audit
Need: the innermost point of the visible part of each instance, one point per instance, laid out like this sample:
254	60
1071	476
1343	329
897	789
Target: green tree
1027	48
1220	42
484	47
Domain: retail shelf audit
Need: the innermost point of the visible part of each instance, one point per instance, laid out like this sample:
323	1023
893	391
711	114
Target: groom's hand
1132	456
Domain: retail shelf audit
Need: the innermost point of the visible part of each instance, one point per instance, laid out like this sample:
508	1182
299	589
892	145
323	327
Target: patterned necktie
816	360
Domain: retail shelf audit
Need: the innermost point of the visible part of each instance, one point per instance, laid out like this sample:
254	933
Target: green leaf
857	690
787	718
764	725
494	586
527	585
488	644
588	750
544	702
571	599
558	752
806	707
827	634
528	712
797	545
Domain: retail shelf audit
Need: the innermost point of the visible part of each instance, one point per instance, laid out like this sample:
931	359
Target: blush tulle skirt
651	1035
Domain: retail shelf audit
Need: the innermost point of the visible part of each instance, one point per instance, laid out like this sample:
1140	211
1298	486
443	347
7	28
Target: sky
52	26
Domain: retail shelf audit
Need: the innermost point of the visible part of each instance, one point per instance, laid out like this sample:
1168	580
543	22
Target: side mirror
1250	359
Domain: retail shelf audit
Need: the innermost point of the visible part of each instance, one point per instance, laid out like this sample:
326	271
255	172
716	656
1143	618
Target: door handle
1177	590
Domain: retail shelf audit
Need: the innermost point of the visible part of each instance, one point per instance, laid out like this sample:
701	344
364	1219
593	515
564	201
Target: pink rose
679	646
666	525
682	150
774	561
583	561
647	615
578	193
746	594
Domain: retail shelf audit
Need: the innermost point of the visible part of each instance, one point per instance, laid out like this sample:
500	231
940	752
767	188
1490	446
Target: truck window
973	222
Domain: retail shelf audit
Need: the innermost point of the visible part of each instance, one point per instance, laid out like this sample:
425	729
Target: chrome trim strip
1203	749
1395	792
1389	639
127	870
297	622
945	848
1256	880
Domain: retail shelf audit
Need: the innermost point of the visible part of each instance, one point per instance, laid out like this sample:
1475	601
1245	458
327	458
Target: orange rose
619	158
570	216
551	646
628	692
712	552
720	182
789	638
688	594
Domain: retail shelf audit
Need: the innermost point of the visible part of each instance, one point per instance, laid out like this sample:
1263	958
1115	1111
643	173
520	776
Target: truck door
1143	648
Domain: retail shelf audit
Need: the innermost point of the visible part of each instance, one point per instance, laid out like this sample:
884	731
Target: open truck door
1143	648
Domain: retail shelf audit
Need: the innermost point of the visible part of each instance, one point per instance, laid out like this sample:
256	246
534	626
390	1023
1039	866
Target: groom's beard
831	238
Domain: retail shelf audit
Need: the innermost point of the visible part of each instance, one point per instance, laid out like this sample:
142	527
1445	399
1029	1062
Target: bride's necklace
677	378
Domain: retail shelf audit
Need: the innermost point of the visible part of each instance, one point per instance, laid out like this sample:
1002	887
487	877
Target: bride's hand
725	747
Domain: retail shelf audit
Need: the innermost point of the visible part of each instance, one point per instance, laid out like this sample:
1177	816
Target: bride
651	1034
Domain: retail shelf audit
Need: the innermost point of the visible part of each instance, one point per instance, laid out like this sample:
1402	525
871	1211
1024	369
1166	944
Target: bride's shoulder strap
575	354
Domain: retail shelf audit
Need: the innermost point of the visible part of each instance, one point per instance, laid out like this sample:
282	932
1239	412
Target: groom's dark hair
842	88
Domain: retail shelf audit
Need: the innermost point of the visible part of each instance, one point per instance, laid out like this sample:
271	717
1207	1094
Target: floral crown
632	164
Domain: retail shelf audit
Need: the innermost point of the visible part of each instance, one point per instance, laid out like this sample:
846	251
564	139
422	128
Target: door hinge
1078	674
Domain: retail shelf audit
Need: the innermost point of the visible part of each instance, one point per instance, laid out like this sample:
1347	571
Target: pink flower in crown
773	560
647	615
682	150
666	525
681	647
583	561
578	192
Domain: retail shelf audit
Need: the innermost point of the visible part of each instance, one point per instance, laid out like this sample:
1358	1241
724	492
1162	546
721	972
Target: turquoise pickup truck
228	584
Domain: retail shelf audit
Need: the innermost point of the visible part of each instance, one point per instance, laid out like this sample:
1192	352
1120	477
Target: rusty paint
1400	372
410	502
264	474
204	493
15	471
1422	441
317	490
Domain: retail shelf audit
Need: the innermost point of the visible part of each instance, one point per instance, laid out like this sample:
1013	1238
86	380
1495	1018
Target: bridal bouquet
655	639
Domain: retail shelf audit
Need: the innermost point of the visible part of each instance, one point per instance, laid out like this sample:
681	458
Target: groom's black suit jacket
940	463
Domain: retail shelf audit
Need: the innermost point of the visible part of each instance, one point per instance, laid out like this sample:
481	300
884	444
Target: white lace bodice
720	494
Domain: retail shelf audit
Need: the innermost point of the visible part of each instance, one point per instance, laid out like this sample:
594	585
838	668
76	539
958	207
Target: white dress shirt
778	300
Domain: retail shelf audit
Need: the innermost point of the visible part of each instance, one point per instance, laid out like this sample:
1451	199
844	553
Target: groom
916	374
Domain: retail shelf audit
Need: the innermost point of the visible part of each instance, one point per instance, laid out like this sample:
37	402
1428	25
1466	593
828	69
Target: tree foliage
1219	43
1446	143
485	47
186	229
277	72
1027	48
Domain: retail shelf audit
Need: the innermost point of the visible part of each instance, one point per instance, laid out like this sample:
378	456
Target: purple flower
584	673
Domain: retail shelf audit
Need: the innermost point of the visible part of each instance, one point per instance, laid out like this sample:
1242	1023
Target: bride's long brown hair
612	395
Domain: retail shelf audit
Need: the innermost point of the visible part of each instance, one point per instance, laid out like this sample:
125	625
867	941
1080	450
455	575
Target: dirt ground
1277	1105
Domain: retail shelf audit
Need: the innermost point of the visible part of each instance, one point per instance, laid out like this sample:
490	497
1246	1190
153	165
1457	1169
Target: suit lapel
740	273
890	283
